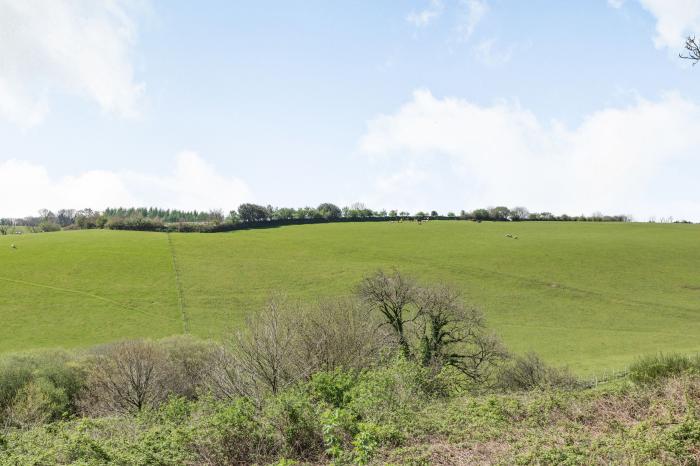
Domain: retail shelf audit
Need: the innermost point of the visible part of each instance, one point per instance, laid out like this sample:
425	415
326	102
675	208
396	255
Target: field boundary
178	285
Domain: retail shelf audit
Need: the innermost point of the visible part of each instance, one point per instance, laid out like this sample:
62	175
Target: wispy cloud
490	53
473	12
426	16
75	46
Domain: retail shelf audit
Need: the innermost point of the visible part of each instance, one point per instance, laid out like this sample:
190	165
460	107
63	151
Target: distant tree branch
693	48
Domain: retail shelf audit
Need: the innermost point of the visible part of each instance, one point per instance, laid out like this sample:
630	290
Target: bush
48	226
126	377
27	376
135	223
529	372
188	360
649	369
231	433
36	403
295	422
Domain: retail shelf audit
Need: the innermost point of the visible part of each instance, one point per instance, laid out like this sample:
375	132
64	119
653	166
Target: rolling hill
592	296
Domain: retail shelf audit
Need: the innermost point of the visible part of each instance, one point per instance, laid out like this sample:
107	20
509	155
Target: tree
261	360
253	213
284	213
45	215
693	50
329	211
65	217
393	296
451	334
432	325
481	214
126	378
216	216
499	213
519	213
233	217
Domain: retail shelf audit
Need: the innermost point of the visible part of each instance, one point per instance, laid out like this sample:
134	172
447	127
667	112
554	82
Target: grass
593	296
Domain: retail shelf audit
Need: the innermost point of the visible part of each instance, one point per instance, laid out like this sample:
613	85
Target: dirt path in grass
178	285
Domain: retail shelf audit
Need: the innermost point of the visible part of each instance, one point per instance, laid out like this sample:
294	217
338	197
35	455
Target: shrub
188	360
48	226
135	223
36	403
529	372
649	369
50	372
230	433
295	422
334	334
332	388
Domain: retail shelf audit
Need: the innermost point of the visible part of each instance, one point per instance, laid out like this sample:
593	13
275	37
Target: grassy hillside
589	295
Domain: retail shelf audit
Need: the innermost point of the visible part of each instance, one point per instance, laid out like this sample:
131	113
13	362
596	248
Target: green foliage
293	419
37	402
135	223
47	226
332	388
649	369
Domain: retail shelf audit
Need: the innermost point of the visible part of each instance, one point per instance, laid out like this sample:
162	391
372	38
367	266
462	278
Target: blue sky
569	107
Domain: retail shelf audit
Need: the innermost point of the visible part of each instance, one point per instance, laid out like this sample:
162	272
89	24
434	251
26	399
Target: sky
568	107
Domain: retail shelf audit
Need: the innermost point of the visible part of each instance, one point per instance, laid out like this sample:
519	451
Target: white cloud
74	46
675	20
192	184
428	15
632	160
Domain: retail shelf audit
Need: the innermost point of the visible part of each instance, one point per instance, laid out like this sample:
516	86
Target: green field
589	295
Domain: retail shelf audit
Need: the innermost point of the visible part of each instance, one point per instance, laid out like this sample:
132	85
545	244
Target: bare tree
338	333
257	361
693	50
125	377
394	296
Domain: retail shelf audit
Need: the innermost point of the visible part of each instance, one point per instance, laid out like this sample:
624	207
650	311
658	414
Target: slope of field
589	295
85	287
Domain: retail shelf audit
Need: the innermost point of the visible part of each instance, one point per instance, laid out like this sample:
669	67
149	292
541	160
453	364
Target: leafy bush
649	369
135	223
231	433
50	378
295	422
48	226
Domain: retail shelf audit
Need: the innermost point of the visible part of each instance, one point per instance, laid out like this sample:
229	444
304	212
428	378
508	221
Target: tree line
250	215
